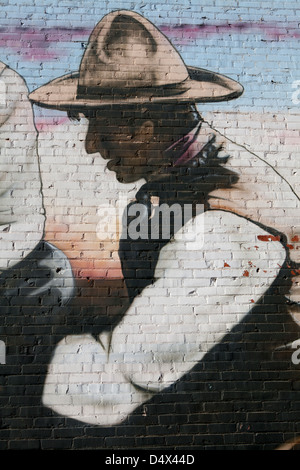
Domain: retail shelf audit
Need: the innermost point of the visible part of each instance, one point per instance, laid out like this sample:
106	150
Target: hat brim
202	86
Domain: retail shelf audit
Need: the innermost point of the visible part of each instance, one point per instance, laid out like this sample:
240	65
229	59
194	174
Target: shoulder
11	77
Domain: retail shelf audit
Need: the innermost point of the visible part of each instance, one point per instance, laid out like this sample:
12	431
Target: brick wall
113	336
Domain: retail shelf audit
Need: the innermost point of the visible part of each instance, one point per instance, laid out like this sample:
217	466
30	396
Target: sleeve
207	280
21	208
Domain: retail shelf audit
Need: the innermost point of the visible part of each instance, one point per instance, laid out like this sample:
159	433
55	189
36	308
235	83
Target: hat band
97	93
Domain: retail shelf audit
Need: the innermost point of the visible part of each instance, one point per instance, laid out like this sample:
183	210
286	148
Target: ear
145	132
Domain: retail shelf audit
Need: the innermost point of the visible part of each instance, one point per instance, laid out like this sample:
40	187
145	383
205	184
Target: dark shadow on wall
243	395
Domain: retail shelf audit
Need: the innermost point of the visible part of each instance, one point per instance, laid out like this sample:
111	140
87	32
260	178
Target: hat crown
126	50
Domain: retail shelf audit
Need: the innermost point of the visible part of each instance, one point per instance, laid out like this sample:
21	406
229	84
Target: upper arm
206	282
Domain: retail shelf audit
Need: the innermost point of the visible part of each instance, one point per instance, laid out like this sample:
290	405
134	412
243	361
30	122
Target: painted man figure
190	287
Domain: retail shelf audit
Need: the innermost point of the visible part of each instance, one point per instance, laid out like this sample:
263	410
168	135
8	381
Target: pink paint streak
41	44
183	34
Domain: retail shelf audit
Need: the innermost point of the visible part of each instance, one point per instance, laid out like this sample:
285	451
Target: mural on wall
207	260
139	99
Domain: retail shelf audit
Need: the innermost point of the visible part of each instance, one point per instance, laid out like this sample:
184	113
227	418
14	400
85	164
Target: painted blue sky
252	42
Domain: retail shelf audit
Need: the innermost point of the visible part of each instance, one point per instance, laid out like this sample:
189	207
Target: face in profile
123	142
133	139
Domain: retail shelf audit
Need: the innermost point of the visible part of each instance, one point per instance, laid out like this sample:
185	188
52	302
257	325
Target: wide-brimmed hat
129	61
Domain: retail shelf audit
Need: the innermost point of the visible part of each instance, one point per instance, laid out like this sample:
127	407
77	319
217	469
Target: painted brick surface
114	333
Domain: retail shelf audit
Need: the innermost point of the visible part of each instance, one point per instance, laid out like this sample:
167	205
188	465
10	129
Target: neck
194	164
178	151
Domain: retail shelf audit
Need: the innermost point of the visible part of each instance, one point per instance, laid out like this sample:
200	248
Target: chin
128	178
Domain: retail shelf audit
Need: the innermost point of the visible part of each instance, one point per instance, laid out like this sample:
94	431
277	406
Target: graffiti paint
122	97
113	334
